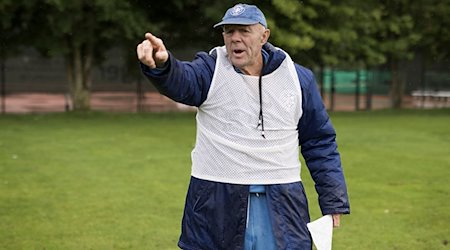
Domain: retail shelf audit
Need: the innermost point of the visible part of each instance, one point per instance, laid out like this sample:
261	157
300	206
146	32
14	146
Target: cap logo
237	10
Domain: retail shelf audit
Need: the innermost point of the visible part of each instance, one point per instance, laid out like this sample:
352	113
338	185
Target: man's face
243	44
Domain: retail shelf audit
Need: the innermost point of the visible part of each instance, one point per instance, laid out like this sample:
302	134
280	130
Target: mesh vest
229	146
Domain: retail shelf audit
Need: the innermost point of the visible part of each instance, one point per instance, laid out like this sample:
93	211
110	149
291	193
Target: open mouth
238	51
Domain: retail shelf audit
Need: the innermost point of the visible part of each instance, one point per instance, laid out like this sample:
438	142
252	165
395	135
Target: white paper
322	232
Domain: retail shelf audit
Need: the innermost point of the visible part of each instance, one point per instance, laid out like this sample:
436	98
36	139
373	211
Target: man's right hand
152	51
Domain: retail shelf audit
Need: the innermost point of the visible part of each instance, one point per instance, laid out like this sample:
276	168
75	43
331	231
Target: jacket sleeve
184	82
317	139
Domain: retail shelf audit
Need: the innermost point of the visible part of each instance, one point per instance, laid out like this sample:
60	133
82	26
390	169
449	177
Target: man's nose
235	36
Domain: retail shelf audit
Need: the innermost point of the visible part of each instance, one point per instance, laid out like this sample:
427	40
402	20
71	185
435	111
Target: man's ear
265	36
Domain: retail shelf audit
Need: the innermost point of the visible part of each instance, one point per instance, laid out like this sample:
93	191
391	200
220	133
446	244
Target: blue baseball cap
243	14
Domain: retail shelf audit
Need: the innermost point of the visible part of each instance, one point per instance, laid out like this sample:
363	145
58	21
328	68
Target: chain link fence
32	83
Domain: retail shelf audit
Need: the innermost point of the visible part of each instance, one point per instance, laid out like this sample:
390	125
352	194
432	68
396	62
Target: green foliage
290	27
395	30
15	20
98	24
315	32
118	181
431	20
187	24
82	31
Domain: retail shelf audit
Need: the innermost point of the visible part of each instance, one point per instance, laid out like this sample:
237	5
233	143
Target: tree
432	20
348	32
396	39
15	17
82	31
315	32
188	23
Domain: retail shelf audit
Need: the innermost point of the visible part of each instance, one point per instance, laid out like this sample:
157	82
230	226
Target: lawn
118	181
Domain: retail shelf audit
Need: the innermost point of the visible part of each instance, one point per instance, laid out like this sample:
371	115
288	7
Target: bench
431	98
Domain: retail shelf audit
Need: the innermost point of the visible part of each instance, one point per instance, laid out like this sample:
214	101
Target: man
255	107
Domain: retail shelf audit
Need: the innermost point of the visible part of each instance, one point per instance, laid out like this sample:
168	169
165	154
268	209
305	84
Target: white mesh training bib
229	146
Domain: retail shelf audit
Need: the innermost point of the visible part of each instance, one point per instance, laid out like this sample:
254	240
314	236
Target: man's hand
152	51
336	220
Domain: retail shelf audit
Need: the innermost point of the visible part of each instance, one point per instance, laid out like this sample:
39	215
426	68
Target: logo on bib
289	100
237	10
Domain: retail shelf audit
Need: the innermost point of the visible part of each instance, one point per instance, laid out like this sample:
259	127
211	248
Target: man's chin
237	63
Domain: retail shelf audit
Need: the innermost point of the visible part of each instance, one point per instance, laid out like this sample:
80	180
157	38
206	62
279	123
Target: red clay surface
154	102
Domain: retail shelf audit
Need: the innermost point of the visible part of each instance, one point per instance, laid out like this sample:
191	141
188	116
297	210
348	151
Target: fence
31	83
344	89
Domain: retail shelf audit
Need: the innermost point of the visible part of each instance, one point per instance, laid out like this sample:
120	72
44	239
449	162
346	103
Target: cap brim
238	21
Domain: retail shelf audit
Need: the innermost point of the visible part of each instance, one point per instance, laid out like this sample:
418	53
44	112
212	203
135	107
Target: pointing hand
152	51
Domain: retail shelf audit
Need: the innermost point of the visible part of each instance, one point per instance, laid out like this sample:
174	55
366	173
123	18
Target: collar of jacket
274	60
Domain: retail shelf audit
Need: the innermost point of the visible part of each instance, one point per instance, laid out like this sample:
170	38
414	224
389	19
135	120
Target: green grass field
118	181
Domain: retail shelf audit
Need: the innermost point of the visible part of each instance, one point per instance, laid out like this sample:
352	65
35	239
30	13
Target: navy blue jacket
215	213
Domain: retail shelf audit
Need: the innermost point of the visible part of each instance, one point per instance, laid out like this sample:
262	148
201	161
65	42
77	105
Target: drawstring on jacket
261	116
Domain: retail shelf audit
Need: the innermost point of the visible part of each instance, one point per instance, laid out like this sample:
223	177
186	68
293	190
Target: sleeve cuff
156	71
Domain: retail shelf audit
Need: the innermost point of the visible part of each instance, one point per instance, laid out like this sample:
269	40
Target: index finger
153	39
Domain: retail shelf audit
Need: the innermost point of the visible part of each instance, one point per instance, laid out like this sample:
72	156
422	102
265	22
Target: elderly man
255	108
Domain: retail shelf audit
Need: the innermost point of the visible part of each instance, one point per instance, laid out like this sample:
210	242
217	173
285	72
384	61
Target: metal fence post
357	90
369	81
333	90
3	82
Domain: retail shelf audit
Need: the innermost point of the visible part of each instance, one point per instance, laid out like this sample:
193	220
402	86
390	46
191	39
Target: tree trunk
321	79
79	76
3	78
397	87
